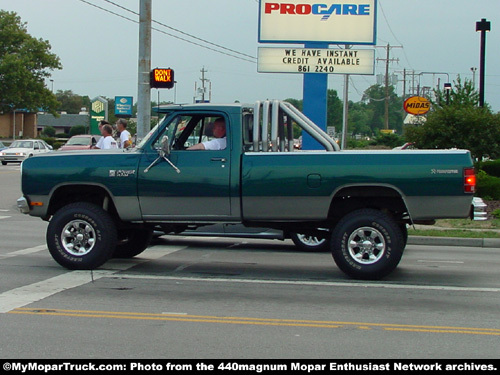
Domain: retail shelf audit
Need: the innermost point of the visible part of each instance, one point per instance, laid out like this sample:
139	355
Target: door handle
222	160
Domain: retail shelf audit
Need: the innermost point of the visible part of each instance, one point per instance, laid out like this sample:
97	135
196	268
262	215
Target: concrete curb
454	241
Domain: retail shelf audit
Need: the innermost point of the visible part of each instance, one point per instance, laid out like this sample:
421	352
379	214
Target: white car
22	149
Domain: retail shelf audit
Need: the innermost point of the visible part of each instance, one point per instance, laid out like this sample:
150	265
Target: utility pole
144	68
203	88
387	61
345	110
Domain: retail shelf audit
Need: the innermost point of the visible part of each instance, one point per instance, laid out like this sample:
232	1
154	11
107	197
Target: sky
435	39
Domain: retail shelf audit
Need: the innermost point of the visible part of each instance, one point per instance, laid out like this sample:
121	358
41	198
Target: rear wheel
367	244
81	236
310	243
4	163
132	242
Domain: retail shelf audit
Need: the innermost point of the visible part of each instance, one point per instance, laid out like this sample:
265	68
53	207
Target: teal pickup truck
101	204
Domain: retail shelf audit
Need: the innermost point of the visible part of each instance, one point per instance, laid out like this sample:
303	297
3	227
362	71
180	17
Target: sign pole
315	89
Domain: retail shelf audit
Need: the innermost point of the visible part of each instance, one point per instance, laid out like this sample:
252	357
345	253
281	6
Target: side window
42	146
36	146
185	131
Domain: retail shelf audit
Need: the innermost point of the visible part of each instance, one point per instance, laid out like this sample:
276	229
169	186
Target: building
18	124
63	123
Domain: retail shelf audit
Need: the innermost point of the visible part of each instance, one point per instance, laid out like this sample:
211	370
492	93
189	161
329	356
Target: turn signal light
469	180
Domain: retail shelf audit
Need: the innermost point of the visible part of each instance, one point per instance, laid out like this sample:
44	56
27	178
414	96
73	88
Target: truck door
202	188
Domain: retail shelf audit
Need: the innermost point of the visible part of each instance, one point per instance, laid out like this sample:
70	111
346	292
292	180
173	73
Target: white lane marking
4	217
314	283
441	261
27	251
28	294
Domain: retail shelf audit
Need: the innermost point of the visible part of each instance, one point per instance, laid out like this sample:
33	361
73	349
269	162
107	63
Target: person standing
99	142
125	136
108	141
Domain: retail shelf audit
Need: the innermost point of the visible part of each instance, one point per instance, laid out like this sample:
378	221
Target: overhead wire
182	32
254	59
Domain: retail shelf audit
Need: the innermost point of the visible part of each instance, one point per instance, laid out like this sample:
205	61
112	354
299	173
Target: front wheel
81	236
367	244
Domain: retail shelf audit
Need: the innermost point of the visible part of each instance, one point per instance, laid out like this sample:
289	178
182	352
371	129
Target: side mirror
165	146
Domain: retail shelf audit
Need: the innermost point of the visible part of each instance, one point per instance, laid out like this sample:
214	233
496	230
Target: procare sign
302	21
417	105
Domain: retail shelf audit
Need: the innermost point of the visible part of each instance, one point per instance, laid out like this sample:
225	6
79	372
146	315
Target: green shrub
491	167
488	185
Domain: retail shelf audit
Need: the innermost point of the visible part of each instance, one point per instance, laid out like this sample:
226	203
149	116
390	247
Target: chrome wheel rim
366	245
78	238
310	240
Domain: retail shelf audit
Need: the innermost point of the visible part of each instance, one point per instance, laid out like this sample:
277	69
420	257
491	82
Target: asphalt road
227	298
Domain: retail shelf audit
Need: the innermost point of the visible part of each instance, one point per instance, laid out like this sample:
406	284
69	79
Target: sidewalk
454	241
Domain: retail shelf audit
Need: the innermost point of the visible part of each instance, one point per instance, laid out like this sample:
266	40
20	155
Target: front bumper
23	205
12	158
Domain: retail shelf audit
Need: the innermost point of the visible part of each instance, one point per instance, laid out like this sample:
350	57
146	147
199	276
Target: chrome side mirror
165	146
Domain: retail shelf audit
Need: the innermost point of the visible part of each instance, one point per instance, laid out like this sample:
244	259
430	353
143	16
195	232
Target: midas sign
161	78
417	105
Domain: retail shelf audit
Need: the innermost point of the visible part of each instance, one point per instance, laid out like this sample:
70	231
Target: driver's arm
198	146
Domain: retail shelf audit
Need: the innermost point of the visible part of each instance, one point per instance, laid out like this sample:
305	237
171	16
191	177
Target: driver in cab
219	142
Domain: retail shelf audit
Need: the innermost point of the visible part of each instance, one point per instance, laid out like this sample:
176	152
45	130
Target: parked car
2	146
22	149
80	142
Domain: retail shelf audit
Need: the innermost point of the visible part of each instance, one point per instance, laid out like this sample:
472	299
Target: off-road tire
81	236
132	242
367	244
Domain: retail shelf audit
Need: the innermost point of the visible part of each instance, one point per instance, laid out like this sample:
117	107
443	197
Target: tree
374	98
70	102
459	124
25	63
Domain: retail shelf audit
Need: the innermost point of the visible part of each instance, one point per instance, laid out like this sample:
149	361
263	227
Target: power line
166	33
394	35
182	32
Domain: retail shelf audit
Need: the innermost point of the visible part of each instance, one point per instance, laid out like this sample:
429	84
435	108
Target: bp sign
98	112
417	105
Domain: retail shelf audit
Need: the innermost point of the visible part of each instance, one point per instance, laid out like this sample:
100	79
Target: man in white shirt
108	142
125	136
219	142
99	142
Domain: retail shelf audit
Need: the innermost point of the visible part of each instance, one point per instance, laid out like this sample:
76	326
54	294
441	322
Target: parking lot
231	298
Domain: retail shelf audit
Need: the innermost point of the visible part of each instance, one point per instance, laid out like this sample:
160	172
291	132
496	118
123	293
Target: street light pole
483	26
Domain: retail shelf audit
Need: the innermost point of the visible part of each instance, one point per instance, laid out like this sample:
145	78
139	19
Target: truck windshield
148	136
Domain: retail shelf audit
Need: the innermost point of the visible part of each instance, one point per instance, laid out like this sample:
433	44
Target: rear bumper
479	209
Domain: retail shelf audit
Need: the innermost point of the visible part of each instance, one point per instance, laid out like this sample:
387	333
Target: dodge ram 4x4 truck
101	204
